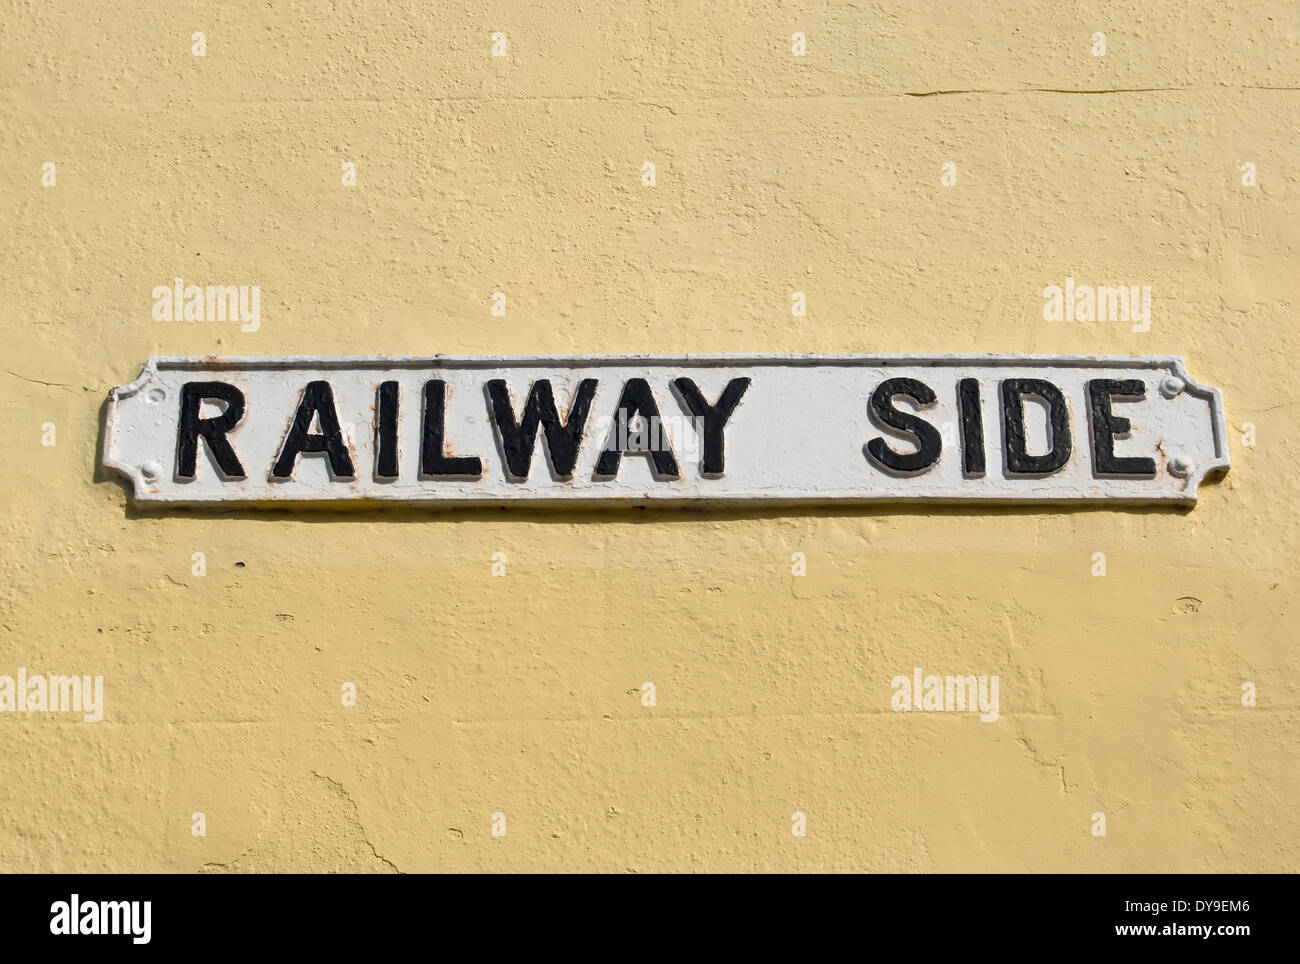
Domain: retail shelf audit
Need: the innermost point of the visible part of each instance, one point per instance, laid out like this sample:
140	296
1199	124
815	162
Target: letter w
516	437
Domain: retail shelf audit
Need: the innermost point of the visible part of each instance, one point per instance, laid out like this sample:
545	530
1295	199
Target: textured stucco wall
521	694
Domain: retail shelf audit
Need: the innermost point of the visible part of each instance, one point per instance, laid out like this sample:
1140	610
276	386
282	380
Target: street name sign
644	429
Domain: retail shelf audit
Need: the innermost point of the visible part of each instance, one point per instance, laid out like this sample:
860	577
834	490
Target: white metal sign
648	429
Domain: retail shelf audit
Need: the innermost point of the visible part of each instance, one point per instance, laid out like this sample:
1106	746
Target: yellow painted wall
522	693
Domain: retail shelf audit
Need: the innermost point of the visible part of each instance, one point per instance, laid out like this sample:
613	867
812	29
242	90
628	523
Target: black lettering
972	427
317	400
928	441
1019	462
637	399
1106	426
434	462
517	438
715	419
213	430
386	432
